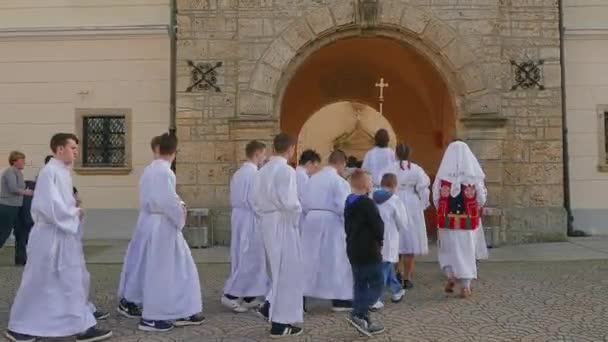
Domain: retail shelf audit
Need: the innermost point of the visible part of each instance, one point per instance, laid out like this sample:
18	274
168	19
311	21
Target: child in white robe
130	288
327	271
395	218
171	293
414	191
248	278
52	300
379	157
308	165
459	194
275	202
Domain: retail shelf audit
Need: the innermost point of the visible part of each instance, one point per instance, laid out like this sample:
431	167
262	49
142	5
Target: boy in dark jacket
364	238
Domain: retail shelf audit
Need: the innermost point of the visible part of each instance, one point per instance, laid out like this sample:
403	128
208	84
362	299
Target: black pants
13	220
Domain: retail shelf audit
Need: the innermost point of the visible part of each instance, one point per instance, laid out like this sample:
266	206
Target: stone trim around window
602	126
81	114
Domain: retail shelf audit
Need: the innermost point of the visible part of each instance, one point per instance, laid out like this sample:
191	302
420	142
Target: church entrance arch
418	103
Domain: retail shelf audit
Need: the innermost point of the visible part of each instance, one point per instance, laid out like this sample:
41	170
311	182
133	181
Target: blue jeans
368	286
390	277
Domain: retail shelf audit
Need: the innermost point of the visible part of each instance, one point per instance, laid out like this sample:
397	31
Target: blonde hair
359	179
14	156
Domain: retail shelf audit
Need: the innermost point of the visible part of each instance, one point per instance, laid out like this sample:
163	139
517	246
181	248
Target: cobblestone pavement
531	302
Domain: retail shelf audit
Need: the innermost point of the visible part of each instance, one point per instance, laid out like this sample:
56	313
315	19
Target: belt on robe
328	210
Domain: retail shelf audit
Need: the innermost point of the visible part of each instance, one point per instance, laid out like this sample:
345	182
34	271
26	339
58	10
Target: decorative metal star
528	74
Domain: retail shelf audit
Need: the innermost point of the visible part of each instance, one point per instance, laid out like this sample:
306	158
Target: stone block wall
515	133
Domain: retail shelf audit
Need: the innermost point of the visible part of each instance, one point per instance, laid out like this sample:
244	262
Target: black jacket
364	230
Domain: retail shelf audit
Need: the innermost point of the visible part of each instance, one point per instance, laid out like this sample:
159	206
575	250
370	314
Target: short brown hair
167	144
381	138
337	157
282	142
61	139
252	147
155	142
14	156
358	179
389	180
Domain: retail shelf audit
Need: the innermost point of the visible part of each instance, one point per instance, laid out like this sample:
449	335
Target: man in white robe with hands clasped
53	298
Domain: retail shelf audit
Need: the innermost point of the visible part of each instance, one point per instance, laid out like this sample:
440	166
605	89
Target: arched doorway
418	103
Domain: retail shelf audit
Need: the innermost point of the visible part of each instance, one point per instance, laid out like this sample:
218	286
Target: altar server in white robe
248	279
327	271
395	217
52	300
459	194
130	288
275	202
414	191
171	293
308	165
379	157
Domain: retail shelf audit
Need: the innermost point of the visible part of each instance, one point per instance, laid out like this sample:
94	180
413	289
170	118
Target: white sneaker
377	306
233	304
256	303
397	297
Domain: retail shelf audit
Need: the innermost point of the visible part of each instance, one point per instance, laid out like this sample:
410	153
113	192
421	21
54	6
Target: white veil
459	166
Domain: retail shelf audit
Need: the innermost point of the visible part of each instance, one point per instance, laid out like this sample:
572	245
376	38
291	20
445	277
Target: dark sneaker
101	315
155	326
94	334
128	309
342	305
17	337
197	319
287	331
407	284
374	328
400	278
264	311
360	324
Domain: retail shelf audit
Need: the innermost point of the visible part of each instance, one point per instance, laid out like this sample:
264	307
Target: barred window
103	143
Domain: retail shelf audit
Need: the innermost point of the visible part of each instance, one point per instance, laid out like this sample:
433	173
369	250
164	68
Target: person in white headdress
414	191
379	157
459	193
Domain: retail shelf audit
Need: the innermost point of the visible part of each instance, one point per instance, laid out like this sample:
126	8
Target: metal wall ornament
203	76
528	74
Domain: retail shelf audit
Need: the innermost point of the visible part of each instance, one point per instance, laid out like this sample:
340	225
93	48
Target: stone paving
513	301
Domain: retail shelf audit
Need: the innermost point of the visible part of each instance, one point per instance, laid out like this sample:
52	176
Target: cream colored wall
45	75
586	63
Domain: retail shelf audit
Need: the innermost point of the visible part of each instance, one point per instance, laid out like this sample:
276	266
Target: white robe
275	202
458	247
302	179
52	300
395	217
132	275
326	267
414	191
376	160
248	275
171	288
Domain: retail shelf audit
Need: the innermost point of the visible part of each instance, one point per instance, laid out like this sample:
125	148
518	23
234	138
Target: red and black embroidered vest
460	212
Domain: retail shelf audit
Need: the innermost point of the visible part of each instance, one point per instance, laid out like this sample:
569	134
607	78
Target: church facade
484	71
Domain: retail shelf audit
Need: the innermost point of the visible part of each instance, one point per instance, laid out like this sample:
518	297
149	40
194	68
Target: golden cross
381	85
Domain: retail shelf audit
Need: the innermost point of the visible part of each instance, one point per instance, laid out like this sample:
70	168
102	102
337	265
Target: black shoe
286	331
360	324
94	334
342	305
101	315
17	337
407	284
197	319
400	278
20	262
128	309
154	326
264	311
